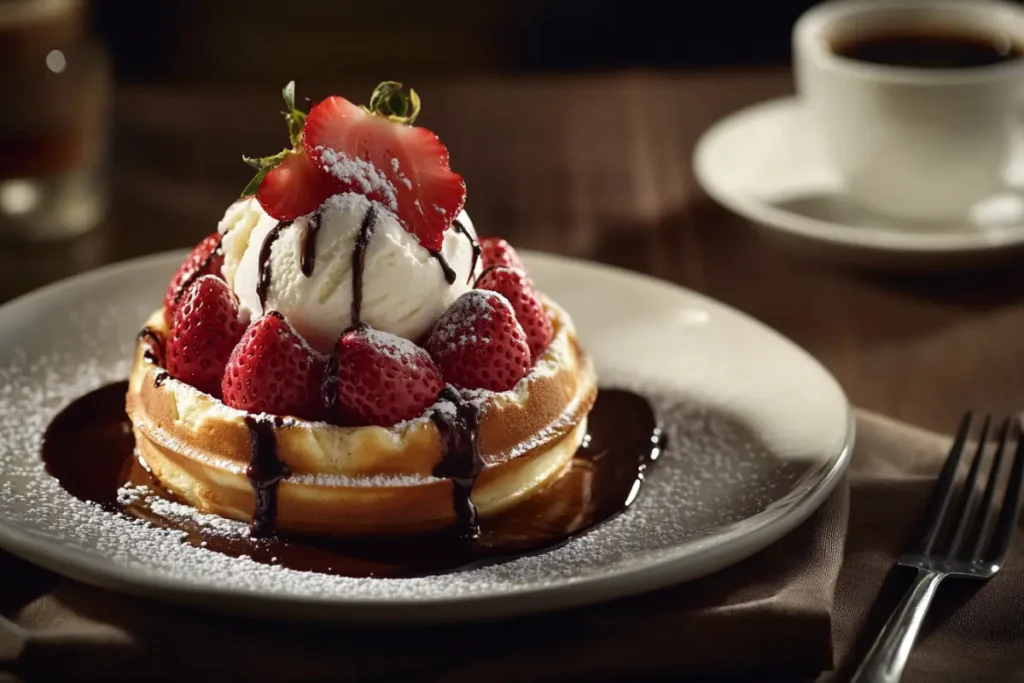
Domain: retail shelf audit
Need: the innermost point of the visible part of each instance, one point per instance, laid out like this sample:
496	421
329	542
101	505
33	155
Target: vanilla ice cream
404	289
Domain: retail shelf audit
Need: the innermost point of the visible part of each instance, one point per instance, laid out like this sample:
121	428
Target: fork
972	542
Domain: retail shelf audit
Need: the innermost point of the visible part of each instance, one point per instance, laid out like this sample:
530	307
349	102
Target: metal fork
972	542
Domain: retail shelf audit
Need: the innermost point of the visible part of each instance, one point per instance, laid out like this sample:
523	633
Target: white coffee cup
915	143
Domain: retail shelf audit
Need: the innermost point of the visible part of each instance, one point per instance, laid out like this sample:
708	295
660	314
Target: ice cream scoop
351	261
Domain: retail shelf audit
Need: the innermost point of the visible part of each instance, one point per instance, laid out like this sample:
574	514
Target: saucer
767	164
741	467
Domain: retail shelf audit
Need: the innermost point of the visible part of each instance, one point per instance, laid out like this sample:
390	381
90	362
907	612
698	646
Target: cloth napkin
809	604
974	631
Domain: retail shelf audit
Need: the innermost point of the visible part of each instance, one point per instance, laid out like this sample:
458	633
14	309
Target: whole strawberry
205	259
205	330
273	370
383	379
479	344
495	251
514	285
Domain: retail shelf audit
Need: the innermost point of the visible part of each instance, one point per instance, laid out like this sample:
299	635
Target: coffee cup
916	100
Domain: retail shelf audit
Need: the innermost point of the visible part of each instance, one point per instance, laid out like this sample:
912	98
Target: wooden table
596	167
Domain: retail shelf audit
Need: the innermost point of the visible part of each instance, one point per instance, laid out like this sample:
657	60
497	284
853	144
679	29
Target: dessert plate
767	164
758	435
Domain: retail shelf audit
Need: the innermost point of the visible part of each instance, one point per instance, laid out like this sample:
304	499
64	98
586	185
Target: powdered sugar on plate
132	494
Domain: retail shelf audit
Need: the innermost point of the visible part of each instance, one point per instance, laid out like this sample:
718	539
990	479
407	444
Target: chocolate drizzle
265	471
89	447
198	272
263	279
307	262
152	346
153	352
449	272
477	249
359	259
460	456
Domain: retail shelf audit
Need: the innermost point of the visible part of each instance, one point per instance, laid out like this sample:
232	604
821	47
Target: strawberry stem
388	100
296	121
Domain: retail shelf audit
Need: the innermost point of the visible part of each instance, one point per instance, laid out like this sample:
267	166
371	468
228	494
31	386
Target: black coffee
929	50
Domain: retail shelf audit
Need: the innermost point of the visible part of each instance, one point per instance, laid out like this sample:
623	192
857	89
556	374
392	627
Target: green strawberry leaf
388	100
289	95
254	184
296	119
263	166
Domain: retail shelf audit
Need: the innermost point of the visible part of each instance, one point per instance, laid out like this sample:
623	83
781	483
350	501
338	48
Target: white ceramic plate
759	434
767	163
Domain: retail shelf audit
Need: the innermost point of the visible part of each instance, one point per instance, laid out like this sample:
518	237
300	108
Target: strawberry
205	259
495	251
378	150
383	379
205	330
478	344
287	185
273	370
514	285
294	187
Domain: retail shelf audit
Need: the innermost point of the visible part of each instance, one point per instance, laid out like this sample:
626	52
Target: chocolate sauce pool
89	447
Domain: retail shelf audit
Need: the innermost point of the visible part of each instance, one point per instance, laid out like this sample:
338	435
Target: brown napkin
778	616
974	631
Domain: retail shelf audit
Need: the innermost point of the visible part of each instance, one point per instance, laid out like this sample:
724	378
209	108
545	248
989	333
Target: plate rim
765	215
730	543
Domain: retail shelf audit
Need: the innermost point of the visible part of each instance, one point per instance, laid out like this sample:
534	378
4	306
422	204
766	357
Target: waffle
363	480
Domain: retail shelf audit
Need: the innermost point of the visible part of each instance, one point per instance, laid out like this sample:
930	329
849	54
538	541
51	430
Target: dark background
234	42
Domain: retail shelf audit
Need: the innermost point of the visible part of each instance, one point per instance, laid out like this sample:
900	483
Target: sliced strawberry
478	344
383	379
514	285
495	251
295	188
204	259
273	370
205	330
403	167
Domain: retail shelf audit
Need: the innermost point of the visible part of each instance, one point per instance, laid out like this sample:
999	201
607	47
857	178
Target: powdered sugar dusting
396	170
394	347
713	473
361	173
455	329
132	494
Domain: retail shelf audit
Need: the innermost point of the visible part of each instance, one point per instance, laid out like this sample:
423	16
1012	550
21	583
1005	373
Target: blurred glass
55	81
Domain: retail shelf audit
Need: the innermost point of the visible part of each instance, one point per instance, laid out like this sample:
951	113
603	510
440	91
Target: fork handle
885	661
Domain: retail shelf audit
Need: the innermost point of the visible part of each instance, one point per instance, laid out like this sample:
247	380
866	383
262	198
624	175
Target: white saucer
759	434
767	164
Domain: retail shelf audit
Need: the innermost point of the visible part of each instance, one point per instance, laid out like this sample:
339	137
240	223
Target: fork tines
957	527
